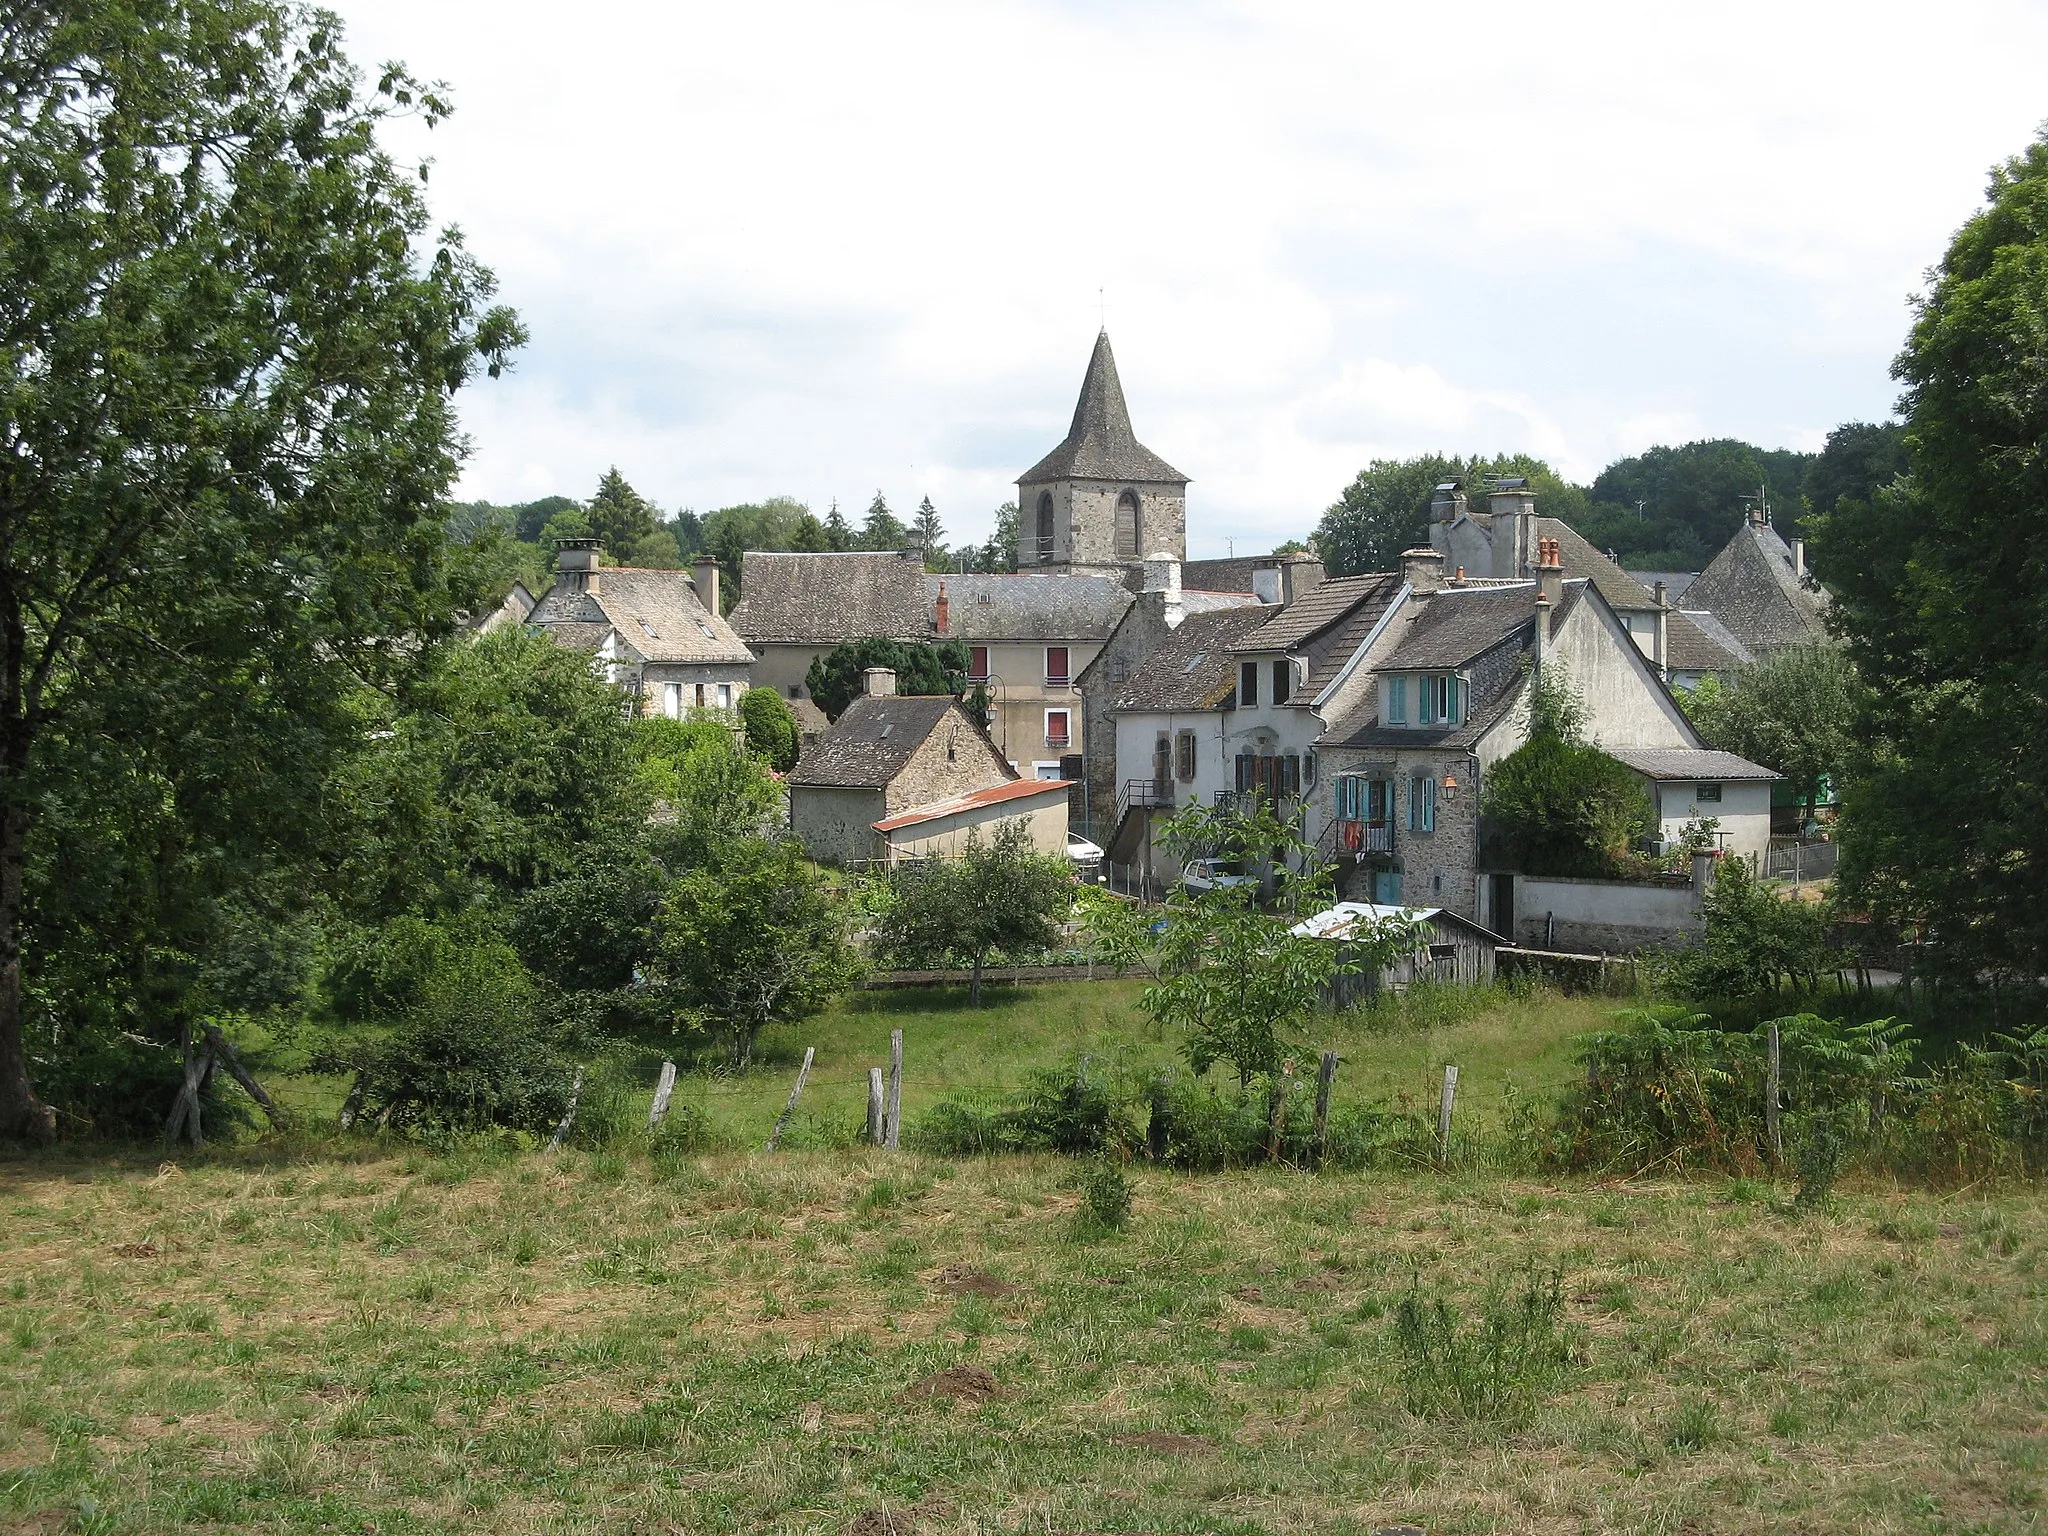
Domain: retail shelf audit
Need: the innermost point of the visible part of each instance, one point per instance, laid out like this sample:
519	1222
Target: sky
818	250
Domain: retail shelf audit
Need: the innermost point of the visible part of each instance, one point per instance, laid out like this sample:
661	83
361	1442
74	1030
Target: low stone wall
1604	916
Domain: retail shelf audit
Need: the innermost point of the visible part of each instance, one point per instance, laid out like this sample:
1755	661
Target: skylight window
1200	657
707	632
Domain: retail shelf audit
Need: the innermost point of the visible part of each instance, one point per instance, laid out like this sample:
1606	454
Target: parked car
1087	856
1213	874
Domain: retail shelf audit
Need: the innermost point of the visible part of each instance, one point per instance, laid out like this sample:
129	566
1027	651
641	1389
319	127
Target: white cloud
816	248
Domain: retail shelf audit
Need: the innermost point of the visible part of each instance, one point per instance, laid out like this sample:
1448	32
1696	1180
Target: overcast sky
816	249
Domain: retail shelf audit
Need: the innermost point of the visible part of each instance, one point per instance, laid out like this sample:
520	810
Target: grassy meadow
312	1334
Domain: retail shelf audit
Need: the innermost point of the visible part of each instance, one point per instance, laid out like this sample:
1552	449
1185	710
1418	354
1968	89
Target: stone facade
955	759
837	825
1084	522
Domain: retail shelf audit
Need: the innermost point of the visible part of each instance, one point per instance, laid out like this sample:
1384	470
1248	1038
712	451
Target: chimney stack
1513	508
941	610
1299	576
576	563
1663	645
1799	559
879	682
1550	570
1423	569
1162	583
706	578
1447	503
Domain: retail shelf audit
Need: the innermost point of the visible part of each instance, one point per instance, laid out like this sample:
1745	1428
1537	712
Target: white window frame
672	701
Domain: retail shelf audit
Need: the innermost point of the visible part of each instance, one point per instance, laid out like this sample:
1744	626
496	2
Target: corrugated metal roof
995	794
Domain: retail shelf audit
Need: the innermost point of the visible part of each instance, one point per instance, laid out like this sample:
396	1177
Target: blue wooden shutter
1451	715
1397	701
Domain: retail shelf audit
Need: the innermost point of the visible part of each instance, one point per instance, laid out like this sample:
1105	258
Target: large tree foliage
1859	459
1674	507
631	525
836	678
752	940
771	727
882	528
1940	584
1386	508
1560	805
1790	713
998	897
230	346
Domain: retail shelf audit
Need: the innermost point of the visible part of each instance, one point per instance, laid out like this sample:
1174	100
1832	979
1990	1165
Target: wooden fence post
1443	1113
1772	1128
353	1104
1326	1074
789	1109
1277	1129
893	1115
568	1115
876	1115
225	1054
664	1089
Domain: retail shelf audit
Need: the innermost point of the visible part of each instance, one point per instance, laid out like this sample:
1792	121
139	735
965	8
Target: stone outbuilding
897	777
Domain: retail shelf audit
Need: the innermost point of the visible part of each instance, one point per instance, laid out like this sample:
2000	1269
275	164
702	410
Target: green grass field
307	1334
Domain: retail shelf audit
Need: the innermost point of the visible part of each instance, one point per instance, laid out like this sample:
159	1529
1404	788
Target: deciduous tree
996	897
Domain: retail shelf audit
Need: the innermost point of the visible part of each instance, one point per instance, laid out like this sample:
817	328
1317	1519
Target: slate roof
1581	559
867	746
1319	609
1688	763
1027	607
1221	575
1696	642
1458	623
1192	668
578	634
1100	445
826	598
1751	588
1675	582
655	612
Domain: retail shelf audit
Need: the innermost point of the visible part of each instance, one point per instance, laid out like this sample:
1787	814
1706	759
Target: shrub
1105	1197
1754	940
1562	805
1490	1368
771	728
1078	1108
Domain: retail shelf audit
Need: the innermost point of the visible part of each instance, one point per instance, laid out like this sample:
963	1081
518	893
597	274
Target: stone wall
1084	521
1603	916
955	759
836	826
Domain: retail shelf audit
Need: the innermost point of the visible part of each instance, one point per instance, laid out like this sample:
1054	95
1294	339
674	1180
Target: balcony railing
1364	837
1058	743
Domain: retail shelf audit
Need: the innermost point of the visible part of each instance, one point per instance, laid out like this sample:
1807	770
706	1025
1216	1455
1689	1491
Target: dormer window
1439	699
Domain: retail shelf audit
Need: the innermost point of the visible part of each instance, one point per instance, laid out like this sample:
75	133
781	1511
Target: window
1283	678
1045	770
1379	794
1347	798
1042	548
977	664
1706	792
1397	701
1290	775
1446	698
1184	755
671	699
700	695
1056	727
1247	684
1421	803
1127	532
795	692
1056	664
725	695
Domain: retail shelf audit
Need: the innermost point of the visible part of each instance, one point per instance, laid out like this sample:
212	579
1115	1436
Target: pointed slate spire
1100	445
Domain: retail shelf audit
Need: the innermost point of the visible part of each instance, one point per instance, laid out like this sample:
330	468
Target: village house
900	777
657	634
1451	673
1028	637
1759	591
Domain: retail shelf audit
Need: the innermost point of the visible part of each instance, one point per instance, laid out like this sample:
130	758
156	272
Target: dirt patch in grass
965	1280
1165	1444
963	1383
902	1520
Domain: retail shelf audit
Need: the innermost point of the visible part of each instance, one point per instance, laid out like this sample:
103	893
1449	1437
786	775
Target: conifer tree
882	528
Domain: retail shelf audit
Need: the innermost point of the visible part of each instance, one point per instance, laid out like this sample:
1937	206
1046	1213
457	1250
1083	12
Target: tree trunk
23	1117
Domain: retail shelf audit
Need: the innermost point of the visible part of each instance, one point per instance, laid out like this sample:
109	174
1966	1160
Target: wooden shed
1449	949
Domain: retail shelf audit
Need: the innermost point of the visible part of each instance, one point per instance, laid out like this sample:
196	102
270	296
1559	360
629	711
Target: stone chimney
879	682
1423	569
1542	632
1162	587
1512	506
1447	504
1663	646
1299	576
706	578
1550	570
576	564
941	611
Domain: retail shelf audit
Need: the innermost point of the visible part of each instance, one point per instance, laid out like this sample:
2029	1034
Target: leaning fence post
1443	1113
353	1104
664	1088
893	1116
569	1114
1325	1074
876	1117
789	1109
1772	1128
